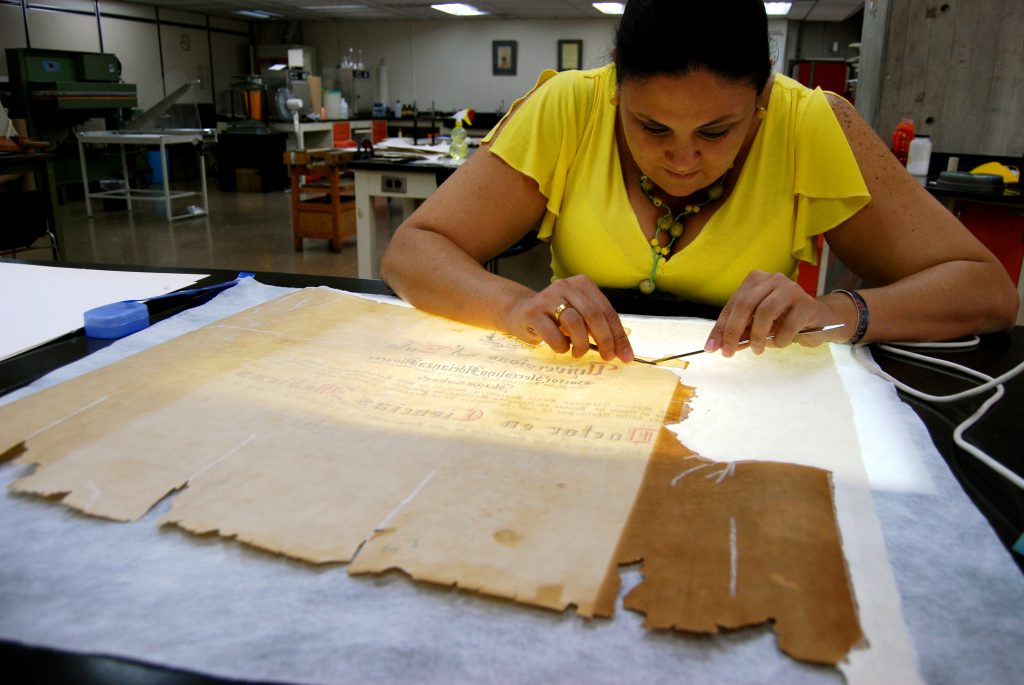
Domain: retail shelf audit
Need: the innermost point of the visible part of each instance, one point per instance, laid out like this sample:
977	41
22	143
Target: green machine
46	83
56	90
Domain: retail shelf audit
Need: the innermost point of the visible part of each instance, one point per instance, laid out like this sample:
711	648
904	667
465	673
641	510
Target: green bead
677	229
665	222
715	192
664	251
655	242
647	286
645	183
657	201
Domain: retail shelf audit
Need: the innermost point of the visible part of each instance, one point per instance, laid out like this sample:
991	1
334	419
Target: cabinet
324	208
998	222
259	152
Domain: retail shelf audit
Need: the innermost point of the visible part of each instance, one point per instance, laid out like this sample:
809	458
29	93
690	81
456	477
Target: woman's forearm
944	302
429	271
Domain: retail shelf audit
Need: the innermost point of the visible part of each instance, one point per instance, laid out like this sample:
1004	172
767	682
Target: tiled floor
243	231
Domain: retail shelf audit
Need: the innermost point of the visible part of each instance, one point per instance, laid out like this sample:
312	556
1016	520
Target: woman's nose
682	154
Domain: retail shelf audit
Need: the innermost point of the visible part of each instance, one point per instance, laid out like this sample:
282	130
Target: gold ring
558	312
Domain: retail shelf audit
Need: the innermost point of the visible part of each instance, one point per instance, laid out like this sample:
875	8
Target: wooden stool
325	208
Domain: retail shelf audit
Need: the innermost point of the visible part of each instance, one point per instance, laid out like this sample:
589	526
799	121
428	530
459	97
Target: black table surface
393	165
1000	433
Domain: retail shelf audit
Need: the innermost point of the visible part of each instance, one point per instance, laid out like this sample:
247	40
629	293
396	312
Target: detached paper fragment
729	545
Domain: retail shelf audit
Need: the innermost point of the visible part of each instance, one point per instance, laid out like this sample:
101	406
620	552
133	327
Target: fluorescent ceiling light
777	9
458	9
340	8
258	14
609	7
277	67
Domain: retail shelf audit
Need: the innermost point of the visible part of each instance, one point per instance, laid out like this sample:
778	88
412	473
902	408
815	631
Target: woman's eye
714	135
653	128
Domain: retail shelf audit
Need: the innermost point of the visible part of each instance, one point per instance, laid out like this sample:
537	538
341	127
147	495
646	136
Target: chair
343	135
24	220
378	130
325	209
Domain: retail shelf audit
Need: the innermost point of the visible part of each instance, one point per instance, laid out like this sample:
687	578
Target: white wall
63	31
184	46
778	32
12	32
449	62
136	46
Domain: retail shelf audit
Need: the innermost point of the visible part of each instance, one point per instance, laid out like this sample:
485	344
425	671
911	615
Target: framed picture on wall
570	54
503	57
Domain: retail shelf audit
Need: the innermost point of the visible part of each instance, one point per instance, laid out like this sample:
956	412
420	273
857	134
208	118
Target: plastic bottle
901	139
458	149
332	104
343	107
919	155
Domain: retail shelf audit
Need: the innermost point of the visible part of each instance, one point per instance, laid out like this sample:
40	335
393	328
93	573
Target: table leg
127	178
366	229
202	178
408	206
55	225
167	181
85	178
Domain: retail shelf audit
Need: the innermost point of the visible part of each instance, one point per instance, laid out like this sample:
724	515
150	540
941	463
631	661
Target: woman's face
685	131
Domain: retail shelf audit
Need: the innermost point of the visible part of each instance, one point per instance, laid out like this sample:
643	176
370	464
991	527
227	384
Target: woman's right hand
587	315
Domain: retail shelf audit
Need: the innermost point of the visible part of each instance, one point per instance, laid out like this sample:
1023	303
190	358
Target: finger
542	325
765	321
787	327
733	325
600	318
573	325
605	327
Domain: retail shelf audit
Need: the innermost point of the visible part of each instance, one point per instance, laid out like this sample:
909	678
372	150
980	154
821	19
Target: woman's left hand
771	304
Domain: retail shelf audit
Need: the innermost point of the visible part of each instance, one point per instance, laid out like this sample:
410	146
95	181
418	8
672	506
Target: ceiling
311	10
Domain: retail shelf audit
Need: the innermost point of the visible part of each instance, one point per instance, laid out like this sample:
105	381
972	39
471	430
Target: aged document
319	422
331	429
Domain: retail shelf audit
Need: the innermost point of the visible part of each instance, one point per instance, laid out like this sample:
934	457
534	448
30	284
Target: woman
686	167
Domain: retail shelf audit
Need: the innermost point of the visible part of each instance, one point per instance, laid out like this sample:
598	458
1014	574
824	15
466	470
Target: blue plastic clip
116	320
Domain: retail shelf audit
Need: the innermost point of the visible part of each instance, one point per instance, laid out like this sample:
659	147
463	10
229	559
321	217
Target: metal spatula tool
806	331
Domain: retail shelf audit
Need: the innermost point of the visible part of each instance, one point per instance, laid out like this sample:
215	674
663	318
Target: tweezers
655	362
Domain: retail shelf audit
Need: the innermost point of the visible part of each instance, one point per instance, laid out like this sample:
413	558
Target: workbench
410	182
323	208
176	606
40	164
314	135
165	195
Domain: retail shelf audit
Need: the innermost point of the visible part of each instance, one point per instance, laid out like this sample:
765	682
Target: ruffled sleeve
541	134
828	187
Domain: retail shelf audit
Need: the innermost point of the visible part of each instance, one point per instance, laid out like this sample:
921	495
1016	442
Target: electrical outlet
392	184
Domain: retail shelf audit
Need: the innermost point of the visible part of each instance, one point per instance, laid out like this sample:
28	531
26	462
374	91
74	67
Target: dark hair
728	38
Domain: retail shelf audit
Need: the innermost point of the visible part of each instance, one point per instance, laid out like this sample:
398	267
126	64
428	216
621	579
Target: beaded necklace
671	224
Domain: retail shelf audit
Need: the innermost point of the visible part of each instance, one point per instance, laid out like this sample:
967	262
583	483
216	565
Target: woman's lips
682	175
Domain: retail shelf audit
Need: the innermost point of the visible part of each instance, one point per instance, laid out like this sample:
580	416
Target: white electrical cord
988	384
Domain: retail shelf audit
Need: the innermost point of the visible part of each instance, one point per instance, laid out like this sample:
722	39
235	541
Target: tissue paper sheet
323	427
76	583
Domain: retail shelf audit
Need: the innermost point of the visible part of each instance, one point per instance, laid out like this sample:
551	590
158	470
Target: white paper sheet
41	303
217	607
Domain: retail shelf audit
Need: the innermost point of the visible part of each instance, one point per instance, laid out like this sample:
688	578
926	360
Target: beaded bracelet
862	314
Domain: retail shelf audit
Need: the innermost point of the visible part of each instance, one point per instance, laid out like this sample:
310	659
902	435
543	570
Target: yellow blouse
800	179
